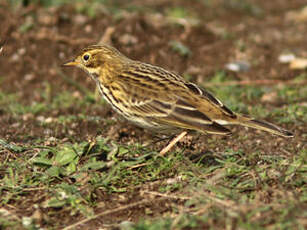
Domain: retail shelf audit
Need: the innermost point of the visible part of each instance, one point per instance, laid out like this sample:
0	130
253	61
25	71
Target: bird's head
98	58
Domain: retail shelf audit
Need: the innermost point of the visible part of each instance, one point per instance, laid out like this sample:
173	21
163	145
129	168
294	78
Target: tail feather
263	125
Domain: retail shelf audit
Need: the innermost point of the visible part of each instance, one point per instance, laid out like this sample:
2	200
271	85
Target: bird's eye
86	57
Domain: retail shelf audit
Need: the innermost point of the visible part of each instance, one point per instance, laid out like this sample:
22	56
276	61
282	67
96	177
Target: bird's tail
262	125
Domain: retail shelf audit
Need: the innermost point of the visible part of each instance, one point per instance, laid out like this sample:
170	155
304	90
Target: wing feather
147	87
174	114
209	97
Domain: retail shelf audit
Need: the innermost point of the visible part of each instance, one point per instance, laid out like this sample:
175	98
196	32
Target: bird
160	100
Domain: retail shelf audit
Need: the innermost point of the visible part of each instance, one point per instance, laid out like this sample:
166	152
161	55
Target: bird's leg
172	143
163	138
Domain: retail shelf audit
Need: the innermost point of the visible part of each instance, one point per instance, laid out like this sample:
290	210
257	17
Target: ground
69	162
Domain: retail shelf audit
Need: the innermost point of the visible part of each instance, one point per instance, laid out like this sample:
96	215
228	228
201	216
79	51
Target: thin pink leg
172	143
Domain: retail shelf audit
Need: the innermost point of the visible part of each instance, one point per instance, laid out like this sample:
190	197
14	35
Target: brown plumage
158	99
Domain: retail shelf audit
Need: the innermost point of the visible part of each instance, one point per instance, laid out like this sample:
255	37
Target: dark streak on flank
207	128
109	99
195	114
163	105
181	102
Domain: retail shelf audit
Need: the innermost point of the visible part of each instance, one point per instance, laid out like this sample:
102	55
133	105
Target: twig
138	166
225	203
106	38
256	82
167	195
108	212
33	189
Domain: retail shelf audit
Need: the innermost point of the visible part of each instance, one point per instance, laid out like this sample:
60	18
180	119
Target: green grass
233	187
12	103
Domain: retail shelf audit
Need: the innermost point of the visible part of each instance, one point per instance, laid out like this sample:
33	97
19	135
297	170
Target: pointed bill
70	63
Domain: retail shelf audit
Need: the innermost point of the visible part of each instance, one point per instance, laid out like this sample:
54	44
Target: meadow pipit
157	99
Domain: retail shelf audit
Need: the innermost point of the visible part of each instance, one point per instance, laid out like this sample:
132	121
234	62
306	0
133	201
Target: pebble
62	55
286	58
29	76
88	29
128	39
298	63
80	19
238	66
269	97
125	225
46	19
21	51
26	221
16	56
40	118
49	120
298	15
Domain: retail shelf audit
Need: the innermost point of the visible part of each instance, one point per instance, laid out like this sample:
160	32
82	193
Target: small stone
71	132
76	94
171	180
49	120
194	70
62	55
48	132
52	71
40	118
238	66
128	39
15	125
52	139
63	195
26	221
286	58
29	77
156	20
297	15
46	19
125	225
298	63
88	29
21	51
80	19
15	57
269	97
27	116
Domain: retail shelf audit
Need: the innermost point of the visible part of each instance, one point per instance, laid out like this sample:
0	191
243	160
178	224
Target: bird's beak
70	63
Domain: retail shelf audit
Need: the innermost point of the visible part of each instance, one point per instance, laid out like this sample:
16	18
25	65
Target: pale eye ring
86	57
